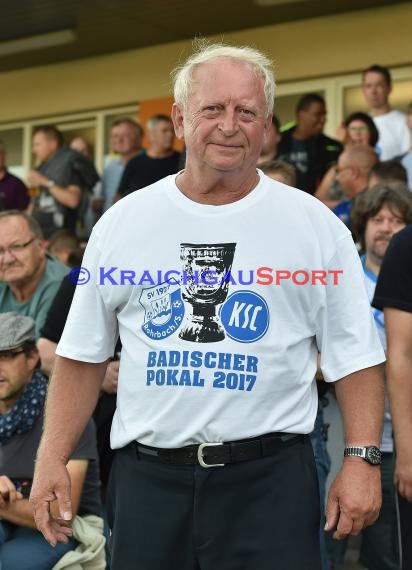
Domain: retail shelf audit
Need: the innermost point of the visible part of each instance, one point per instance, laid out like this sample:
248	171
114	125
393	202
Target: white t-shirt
259	378
394	137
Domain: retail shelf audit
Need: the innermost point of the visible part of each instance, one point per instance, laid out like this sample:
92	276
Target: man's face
19	264
124	139
162	135
313	118
358	133
226	117
380	229
16	369
345	175
43	147
375	90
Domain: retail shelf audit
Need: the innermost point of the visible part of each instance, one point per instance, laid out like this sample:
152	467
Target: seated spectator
29	276
158	161
62	245
388	173
63	177
13	192
280	171
22	396
270	142
352	173
357	130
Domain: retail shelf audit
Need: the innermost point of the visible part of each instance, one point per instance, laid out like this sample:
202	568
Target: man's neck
24	290
3	173
373	264
301	134
383	110
153	152
124	158
216	188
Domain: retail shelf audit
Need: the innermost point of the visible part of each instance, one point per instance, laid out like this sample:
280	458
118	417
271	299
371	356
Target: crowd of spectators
364	176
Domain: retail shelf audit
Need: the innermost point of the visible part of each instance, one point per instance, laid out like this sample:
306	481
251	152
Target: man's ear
33	358
268	123
177	118
43	246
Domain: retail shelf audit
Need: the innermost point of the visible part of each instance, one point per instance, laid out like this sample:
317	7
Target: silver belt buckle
200	455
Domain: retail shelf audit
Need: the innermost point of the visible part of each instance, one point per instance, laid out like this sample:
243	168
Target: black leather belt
220	454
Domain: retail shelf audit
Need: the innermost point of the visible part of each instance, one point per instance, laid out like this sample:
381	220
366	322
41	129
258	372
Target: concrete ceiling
107	26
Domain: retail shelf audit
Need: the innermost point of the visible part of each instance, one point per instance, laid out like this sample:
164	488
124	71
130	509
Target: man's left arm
355	496
399	373
68	196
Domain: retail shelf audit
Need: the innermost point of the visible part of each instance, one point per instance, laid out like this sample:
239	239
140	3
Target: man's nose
228	122
7	257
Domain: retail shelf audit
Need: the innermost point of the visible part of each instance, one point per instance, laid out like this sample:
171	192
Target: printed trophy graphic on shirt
205	284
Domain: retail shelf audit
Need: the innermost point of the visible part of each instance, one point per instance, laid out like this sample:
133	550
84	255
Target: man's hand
52	482
34	178
403	474
354	499
8	492
111	377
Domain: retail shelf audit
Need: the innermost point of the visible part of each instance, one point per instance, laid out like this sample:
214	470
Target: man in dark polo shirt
13	193
158	161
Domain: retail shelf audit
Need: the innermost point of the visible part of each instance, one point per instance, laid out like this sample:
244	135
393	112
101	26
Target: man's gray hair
32	224
262	66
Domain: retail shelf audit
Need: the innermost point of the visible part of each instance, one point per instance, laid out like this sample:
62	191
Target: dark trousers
252	515
405	524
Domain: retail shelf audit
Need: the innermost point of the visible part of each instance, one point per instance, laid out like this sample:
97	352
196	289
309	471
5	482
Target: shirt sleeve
346	335
91	330
394	286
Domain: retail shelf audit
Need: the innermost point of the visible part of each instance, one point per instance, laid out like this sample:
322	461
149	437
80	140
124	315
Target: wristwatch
50	184
369	453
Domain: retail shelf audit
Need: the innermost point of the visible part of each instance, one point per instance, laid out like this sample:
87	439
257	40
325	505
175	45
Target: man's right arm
398	326
72	396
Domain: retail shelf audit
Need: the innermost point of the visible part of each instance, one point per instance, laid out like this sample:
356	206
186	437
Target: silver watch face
373	455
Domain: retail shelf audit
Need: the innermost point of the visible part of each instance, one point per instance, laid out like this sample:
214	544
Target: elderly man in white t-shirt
238	282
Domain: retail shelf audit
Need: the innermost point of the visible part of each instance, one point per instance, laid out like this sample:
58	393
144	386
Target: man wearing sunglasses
29	276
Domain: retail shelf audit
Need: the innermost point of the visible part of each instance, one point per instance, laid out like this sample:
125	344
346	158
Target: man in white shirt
391	123
220	334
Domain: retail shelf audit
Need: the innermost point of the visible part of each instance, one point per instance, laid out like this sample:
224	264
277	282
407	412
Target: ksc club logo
245	316
164	309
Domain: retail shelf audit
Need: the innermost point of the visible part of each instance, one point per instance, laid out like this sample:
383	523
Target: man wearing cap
22	395
29	276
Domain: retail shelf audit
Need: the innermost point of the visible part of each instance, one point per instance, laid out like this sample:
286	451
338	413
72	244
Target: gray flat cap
15	330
